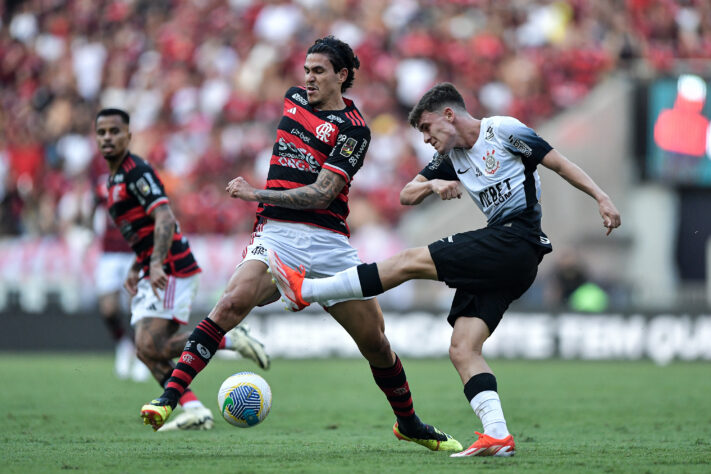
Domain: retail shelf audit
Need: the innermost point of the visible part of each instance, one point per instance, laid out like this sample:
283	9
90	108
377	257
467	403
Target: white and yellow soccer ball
245	399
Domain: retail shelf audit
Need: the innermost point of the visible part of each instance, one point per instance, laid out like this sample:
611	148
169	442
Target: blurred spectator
203	83
572	287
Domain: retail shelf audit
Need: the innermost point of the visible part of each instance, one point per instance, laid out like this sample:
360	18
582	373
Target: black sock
201	346
369	279
393	382
479	383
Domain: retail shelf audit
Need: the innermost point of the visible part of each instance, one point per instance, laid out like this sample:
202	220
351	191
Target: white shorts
111	271
322	252
174	303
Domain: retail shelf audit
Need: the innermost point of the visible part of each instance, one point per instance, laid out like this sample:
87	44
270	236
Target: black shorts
489	267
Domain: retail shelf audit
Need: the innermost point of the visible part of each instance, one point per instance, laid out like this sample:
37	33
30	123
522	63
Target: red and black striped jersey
111	238
135	191
309	140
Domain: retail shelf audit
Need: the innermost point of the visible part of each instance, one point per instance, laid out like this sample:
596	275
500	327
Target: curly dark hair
341	56
441	95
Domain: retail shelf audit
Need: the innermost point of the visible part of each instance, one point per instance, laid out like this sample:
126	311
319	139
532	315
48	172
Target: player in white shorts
321	252
321	143
163	276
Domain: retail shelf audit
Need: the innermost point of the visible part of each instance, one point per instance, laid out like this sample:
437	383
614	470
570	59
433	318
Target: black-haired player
321	143
163	279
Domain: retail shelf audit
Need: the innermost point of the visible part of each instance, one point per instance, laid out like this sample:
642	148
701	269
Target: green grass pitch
67	413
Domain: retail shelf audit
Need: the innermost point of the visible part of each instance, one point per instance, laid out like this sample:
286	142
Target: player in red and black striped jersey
308	141
110	272
321	143
163	278
139	207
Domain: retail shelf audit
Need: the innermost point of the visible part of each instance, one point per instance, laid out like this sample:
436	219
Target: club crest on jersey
143	186
324	131
349	147
490	161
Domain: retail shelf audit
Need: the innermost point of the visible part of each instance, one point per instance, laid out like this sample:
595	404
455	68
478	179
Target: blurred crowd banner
312	333
37	272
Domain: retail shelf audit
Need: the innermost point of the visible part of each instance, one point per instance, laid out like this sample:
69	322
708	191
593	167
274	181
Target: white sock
192	404
229	343
487	407
345	284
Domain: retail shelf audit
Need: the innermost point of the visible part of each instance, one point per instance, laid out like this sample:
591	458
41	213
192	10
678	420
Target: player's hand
610	215
159	280
239	188
131	282
446	189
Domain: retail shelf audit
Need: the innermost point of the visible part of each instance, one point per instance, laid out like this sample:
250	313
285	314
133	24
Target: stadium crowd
204	81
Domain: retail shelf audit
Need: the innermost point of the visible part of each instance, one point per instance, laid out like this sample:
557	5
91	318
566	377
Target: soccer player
111	269
163	278
321	143
495	159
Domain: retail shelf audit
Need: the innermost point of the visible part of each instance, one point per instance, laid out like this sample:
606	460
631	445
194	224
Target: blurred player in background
321	143
495	159
110	273
163	278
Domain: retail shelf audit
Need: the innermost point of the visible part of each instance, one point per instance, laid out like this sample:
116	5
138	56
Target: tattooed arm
162	240
318	195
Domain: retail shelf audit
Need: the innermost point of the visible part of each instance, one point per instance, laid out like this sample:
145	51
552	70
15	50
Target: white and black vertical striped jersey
499	173
309	140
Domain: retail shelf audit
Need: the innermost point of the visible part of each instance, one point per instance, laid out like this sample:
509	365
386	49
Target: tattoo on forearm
162	235
314	196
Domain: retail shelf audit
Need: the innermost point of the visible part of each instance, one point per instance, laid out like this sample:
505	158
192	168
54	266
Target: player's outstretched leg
288	281
199	350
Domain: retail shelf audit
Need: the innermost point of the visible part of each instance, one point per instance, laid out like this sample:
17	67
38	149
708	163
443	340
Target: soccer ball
244	399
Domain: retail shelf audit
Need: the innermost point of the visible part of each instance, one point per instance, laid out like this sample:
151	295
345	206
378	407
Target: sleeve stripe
337	170
157	203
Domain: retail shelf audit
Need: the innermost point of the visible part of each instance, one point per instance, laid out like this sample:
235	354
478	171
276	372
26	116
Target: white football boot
248	347
195	418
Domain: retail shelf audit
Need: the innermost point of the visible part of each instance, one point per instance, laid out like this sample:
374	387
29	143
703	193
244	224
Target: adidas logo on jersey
292	110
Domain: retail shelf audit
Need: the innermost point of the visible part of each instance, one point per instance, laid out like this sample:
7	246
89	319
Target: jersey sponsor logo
203	351
489	133
292	110
143	186
496	194
521	146
299	99
349	147
294	157
459	171
492	164
335	118
298	133
324	131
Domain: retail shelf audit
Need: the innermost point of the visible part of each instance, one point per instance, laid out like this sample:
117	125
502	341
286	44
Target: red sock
188	396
